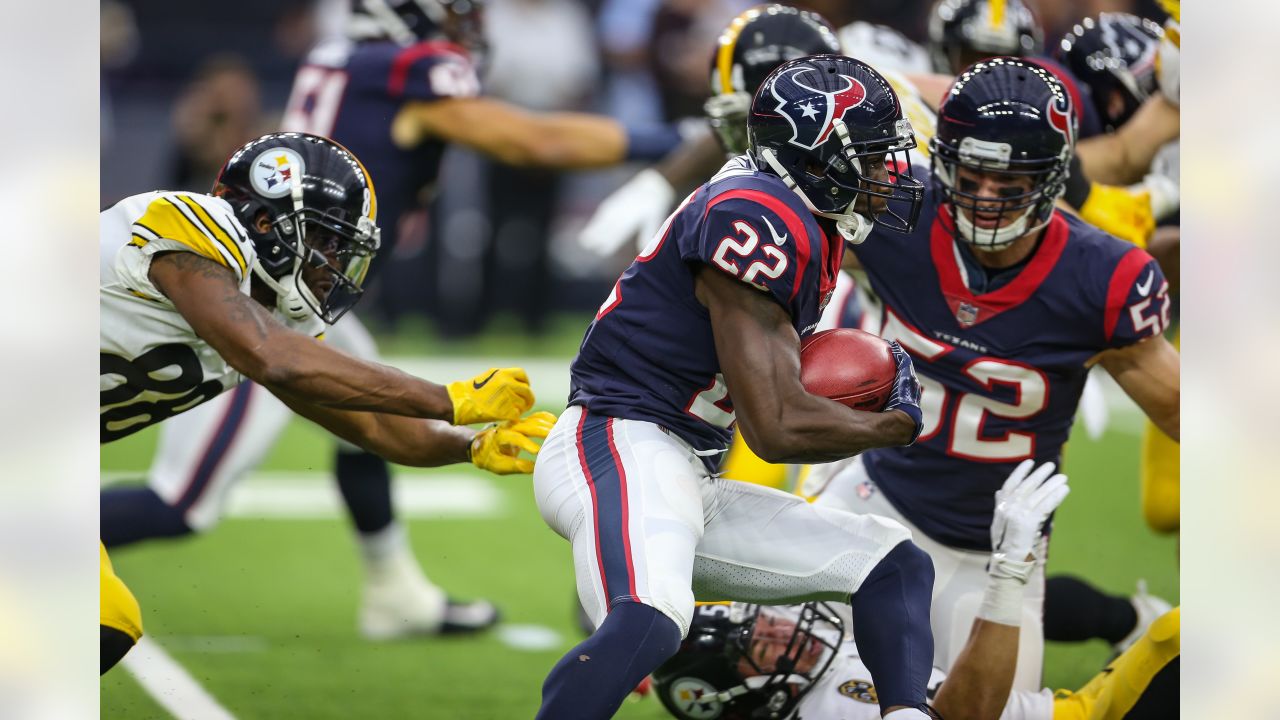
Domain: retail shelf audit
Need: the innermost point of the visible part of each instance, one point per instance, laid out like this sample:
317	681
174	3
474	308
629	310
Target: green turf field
261	611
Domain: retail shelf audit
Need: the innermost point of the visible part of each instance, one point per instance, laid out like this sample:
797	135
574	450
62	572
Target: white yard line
314	495
529	638
169	685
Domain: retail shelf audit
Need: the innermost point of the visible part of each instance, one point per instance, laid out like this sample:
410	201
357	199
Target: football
852	367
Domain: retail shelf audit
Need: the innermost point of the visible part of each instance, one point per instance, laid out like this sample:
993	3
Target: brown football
852	367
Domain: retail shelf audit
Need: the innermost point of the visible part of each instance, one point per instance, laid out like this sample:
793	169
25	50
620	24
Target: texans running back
702	331
1005	303
199	292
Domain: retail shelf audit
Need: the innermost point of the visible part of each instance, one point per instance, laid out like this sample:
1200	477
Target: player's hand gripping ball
852	367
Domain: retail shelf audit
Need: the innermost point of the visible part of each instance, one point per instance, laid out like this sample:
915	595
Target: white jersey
845	692
883	48
153	365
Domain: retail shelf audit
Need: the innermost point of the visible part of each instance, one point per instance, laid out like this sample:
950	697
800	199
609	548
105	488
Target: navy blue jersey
352	92
650	355
1001	371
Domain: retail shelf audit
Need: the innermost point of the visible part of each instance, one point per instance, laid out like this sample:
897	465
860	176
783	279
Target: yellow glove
497	447
495	394
1123	212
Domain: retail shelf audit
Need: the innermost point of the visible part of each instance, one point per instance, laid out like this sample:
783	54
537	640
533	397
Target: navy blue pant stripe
606	479
218	446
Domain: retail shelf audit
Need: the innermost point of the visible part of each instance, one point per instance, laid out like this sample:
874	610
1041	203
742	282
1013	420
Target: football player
397	89
1006	303
744	661
201	291
701	332
749	48
962	32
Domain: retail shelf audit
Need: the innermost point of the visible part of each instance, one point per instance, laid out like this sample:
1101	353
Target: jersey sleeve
432	71
759	240
1137	302
189	222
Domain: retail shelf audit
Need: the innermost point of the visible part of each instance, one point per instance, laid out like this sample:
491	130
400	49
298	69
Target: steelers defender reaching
199	292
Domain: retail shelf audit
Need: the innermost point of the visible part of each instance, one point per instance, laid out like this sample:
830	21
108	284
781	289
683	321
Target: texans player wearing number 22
703	331
1005	303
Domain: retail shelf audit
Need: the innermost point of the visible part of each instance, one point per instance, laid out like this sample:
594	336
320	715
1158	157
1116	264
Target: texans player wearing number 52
706	323
1005	303
199	292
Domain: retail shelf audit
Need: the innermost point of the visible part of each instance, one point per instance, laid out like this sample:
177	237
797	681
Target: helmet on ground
748	662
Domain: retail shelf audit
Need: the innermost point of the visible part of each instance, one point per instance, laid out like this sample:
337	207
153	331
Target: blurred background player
744	661
397	89
199	292
702	332
1022	300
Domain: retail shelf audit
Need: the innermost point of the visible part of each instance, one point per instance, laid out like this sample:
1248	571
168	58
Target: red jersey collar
970	309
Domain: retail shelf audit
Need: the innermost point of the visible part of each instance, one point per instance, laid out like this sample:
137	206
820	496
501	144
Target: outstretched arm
1125	156
516	136
759	355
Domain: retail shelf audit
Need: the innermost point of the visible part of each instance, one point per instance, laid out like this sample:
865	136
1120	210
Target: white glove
1022	507
637	209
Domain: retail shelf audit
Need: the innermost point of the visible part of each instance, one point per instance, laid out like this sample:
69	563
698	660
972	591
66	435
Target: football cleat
399	602
1149	608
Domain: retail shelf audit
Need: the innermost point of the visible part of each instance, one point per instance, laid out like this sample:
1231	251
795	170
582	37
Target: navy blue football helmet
1013	119
726	667
323	211
411	21
754	43
962	32
1115	55
832	128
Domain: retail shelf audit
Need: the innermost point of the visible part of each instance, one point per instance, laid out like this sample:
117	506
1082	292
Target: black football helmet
722	671
323	211
962	32
1115	55
412	21
756	42
832	128
1010	117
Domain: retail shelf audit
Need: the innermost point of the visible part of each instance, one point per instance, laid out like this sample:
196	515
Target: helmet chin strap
289	293
853	227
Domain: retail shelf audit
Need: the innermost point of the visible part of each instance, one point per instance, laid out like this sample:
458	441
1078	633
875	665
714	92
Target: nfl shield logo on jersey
966	314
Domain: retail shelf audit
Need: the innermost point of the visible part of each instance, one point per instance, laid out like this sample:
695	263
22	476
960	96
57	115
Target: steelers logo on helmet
273	172
696	698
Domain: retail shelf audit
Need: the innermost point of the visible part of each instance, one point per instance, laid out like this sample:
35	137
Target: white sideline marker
164	680
529	638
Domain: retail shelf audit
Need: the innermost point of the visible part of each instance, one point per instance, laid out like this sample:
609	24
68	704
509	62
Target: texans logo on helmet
811	111
1062	120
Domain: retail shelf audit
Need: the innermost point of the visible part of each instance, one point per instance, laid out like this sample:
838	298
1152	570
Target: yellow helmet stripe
724	54
997	13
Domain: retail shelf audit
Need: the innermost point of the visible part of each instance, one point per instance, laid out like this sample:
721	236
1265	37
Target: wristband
1006	586
651	143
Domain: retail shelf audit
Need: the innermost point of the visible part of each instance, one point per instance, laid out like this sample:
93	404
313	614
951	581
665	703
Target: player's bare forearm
1125	156
1150	373
516	136
407	441
262	348
759	355
690	164
978	684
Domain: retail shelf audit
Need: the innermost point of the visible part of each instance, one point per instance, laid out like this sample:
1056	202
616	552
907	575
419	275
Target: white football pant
205	451
648	524
960	576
